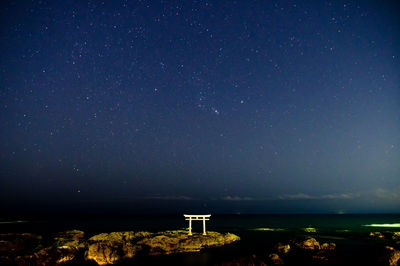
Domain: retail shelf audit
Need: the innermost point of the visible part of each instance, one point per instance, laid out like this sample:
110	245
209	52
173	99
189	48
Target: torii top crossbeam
190	218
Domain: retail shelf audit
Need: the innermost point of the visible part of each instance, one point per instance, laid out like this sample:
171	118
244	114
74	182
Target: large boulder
308	244
275	259
282	248
328	246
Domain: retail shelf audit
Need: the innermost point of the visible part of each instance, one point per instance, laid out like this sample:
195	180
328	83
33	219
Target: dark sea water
259	233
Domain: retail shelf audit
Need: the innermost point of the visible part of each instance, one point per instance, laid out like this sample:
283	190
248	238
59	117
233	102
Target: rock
376	235
282	248
275	259
54	255
24	260
328	246
396	235
392	255
65	247
310	230
110	248
119	236
25	249
70	235
308	244
178	241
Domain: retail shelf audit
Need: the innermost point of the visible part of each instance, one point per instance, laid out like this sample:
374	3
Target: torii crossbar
190	218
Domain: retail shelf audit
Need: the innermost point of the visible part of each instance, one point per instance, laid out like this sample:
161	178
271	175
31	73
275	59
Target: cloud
387	194
296	196
341	196
236	198
304	196
170	198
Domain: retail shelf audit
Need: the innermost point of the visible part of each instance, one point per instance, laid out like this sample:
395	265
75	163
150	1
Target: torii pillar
204	218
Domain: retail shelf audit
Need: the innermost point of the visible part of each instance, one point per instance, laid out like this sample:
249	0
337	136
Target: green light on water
13	222
382	225
268	229
310	230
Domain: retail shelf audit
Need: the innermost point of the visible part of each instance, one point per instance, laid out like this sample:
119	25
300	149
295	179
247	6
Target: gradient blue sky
219	106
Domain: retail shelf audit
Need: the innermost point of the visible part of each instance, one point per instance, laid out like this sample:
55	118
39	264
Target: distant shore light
382	225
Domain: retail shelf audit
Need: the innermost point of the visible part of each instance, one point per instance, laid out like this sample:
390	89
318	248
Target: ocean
259	233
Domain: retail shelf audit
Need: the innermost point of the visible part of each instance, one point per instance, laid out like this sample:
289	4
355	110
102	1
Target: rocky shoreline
75	247
104	248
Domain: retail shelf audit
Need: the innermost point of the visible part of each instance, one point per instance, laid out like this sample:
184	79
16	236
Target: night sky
207	106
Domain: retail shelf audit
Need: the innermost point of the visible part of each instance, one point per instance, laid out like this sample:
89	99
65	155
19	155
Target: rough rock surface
109	248
65	247
178	242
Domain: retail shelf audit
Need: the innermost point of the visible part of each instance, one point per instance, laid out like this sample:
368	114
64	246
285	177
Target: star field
221	105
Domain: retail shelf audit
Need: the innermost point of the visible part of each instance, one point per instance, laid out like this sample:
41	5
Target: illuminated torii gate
191	218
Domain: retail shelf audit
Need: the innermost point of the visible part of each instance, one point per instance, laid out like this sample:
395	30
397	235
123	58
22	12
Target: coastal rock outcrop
110	248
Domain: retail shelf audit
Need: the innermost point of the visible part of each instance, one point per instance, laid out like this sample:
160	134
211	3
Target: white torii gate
191	218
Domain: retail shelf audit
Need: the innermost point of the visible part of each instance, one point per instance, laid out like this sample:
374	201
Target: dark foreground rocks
30	249
102	249
391	256
309	251
304	251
